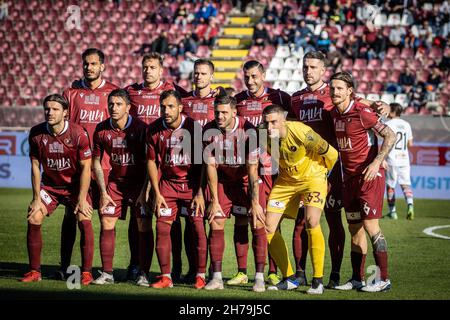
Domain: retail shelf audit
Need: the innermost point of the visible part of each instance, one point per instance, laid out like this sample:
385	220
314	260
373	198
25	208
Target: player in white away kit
398	165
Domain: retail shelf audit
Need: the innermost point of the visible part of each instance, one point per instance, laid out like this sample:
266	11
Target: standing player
122	138
398	168
63	151
355	128
88	106
176	182
312	106
231	155
250	105
198	104
304	161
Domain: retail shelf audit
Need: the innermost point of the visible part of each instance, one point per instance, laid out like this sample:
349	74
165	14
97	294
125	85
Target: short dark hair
396	108
153	56
56	98
224	98
253	64
207	62
165	94
91	51
273	108
315	55
122	93
344	76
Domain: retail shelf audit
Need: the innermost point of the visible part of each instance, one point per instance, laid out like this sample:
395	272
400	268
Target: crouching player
122	138
62	149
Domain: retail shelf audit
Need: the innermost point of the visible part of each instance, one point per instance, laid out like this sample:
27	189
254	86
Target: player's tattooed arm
371	171
388	142
328	155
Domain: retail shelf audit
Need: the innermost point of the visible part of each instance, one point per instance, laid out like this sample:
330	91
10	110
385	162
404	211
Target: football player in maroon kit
122	138
250	105
356	126
231	156
62	150
198	104
88	106
176	183
312	106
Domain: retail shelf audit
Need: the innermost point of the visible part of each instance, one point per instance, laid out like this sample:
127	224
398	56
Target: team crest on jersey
119	142
92	99
139	92
340	125
56	147
68	142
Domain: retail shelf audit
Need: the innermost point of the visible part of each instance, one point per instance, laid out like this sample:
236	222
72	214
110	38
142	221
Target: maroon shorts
124	196
363	200
178	196
264	189
233	199
51	198
335	200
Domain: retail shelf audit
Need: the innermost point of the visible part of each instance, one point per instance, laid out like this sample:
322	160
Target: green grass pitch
419	264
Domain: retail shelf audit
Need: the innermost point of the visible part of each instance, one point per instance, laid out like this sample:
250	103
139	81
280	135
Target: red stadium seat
348	29
399	64
376	87
407	53
395	76
381	75
360	64
367	76
393	53
374	64
435	53
363	87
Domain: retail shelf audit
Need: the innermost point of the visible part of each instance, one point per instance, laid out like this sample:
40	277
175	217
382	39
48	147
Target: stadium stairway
231	49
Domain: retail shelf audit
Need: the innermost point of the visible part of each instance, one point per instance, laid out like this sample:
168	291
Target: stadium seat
283	52
367	76
380	20
276	63
401	99
409	110
392	53
394	19
360	95
271	75
363	87
360	64
400	64
279	85
374	64
297	75
394	76
293	86
376	87
387	97
285	75
407	53
373	96
298	53
290	63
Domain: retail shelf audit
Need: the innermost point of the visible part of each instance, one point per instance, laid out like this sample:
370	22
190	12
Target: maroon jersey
231	149
357	141
60	155
251	108
199	109
313	108
125	149
89	107
145	102
175	159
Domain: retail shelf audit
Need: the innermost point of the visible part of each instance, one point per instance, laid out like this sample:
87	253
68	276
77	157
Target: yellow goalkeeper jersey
303	154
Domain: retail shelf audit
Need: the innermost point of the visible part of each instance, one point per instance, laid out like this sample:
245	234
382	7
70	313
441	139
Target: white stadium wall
430	171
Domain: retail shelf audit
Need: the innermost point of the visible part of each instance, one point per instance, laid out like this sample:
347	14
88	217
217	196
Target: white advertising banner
15	172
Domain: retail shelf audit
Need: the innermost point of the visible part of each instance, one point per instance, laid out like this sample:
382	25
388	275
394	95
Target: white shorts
396	174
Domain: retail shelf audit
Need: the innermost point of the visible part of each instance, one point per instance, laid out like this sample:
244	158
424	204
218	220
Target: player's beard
94	76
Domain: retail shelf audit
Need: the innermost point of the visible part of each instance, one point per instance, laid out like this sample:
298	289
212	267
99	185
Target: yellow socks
279	252
316	247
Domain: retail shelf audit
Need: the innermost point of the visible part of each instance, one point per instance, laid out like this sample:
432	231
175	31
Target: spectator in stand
417	97
302	35
163	14
312	14
183	16
348	13
332	29
285	12
351	47
287	35
396	36
325	13
187	66
323	43
207	33
207	11
270	15
434	78
407	80
334	58
161	44
188	44
260	35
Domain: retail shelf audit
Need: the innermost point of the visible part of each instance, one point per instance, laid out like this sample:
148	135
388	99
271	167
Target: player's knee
163	228
108	223
36	219
379	243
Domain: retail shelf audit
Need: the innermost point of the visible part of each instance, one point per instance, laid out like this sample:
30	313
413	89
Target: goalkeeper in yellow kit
304	161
